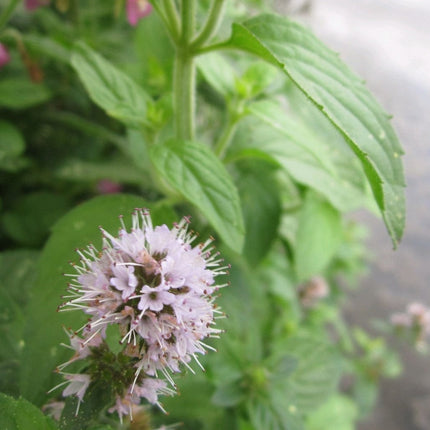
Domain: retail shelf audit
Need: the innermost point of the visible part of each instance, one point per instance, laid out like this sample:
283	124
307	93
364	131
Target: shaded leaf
20	93
261	207
30	219
318	237
12	143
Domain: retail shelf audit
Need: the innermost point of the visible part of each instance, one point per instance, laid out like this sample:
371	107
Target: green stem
211	25
184	87
226	136
172	18
187	20
184	75
8	11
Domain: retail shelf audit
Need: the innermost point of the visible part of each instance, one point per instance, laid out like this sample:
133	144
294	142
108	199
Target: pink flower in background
34	4
313	290
4	55
136	10
105	186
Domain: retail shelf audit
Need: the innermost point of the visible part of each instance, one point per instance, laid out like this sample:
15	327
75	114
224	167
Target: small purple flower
34	4
156	287
136	10
4	55
124	279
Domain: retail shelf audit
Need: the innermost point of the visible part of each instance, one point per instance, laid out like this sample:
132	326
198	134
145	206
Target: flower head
136	10
415	322
157	289
313	290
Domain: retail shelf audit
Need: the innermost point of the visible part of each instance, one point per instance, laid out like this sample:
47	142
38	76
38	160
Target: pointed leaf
193	170
342	98
109	87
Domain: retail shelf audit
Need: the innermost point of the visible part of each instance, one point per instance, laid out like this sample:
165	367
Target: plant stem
172	18
226	136
184	86
211	25
8	11
184	75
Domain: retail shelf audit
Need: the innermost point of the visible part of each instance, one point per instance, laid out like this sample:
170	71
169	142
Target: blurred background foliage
288	360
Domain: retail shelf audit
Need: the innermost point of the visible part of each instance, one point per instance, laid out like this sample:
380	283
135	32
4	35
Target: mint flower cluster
157	289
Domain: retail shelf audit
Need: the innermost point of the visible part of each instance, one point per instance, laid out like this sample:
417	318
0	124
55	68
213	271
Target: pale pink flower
4	55
153	284
54	409
136	10
313	290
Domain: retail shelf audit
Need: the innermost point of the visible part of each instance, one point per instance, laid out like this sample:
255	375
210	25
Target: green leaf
339	412
19	414
303	156
30	219
117	170
155	52
193	170
47	46
255	80
228	395
317	373
17	275
20	93
261	207
218	72
273	413
342	98
44	333
12	143
318	237
108	87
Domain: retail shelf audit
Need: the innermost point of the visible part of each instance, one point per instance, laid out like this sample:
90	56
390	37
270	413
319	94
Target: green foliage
22	415
110	88
19	222
341	96
261	208
194	171
12	144
318	237
30	94
287	142
339	412
307	158
17	275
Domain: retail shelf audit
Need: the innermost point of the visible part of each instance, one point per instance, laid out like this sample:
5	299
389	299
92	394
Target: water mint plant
157	290
210	110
